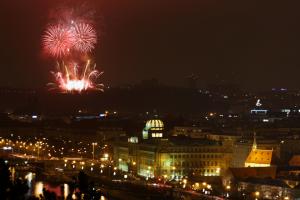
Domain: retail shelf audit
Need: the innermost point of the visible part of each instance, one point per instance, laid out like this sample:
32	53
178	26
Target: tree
8	189
83	182
5	183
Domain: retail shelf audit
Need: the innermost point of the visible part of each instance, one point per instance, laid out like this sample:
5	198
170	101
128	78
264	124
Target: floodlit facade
258	157
172	159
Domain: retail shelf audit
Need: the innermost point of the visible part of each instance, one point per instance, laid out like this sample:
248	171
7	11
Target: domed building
153	129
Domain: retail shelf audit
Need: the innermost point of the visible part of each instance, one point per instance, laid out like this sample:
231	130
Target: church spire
254	146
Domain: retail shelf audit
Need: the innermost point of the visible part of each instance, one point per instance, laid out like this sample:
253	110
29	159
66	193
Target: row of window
198	171
196	164
206	171
196	149
196	156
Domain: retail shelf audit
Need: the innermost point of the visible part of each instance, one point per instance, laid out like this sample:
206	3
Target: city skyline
139	99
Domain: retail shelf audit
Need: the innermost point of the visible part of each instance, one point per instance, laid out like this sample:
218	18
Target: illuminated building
193	132
173	158
258	157
258	109
153	129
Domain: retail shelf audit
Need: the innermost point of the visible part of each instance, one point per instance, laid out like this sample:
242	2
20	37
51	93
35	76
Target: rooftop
259	157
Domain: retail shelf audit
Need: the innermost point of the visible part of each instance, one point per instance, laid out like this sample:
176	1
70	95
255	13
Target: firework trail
69	78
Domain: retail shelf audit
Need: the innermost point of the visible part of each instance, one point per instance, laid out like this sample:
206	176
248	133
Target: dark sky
252	43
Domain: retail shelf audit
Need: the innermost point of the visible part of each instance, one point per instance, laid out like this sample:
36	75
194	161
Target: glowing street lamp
228	190
173	168
256	195
149	171
38	149
82	165
94	144
184	181
208	187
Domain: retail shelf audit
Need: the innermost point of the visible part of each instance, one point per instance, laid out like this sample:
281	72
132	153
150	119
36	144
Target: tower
254	146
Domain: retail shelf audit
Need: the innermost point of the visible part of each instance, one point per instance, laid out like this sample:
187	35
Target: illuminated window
156	135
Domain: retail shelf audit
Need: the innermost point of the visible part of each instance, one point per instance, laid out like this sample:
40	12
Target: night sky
252	43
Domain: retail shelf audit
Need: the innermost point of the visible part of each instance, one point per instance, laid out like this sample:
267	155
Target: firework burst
60	39
71	37
84	37
57	40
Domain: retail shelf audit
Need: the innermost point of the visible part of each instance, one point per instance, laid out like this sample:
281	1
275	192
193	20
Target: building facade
173	159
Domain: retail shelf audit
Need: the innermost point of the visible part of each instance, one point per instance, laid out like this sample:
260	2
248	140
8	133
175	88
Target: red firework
84	37
57	40
71	37
70	78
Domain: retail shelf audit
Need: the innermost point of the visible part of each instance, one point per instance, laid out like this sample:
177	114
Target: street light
228	190
173	168
82	165
94	144
149	171
38	149
257	195
65	162
184	181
